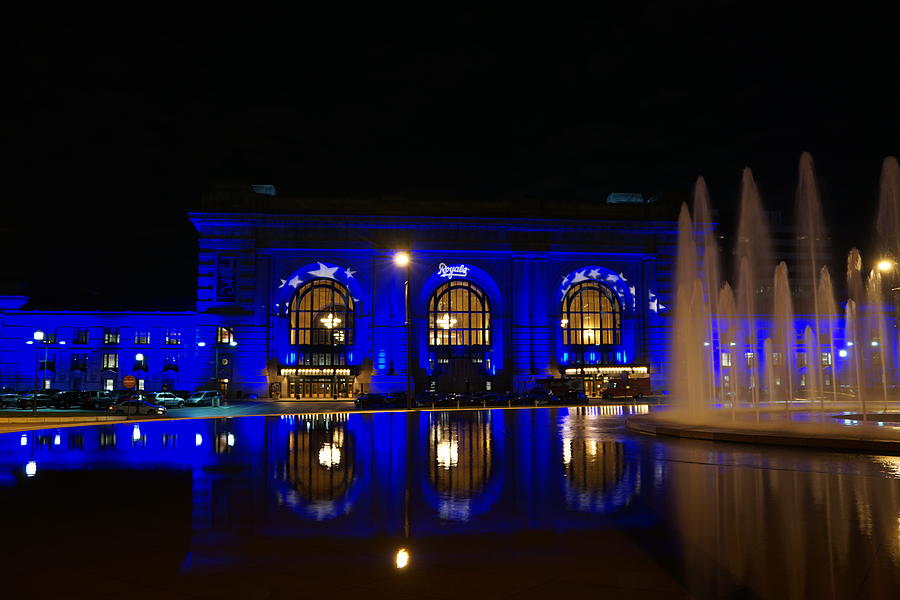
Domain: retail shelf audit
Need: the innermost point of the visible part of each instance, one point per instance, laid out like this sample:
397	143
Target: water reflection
598	475
719	520
459	460
319	466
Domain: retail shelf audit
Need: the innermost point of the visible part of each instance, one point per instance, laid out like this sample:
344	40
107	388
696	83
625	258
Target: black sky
118	119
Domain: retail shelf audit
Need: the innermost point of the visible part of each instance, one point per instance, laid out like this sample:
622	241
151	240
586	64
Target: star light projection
325	271
617	282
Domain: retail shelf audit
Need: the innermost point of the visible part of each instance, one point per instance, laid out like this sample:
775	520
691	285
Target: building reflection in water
459	460
596	473
319	467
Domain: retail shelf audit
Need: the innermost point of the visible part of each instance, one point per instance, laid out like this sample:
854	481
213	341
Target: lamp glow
402	558
139	357
842	353
201	344
884	265
198	439
401	259
23	441
31	468
39	336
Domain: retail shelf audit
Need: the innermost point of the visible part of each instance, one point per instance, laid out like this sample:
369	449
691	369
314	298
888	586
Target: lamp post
38	338
139	358
402	259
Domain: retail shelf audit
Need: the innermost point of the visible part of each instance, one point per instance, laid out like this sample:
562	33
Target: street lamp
402	259
884	265
38	337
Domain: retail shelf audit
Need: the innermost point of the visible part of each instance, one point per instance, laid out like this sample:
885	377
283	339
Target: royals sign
451	272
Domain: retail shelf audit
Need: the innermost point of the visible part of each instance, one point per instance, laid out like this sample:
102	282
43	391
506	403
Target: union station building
294	302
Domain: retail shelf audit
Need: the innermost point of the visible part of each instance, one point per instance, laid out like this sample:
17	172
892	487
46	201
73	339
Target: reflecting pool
518	503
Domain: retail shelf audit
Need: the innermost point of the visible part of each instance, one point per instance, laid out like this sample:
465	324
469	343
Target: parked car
167	399
9	400
68	399
99	400
539	396
137	407
182	393
204	398
26	400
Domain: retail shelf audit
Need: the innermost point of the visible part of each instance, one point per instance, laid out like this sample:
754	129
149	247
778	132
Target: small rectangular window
79	362
826	359
111	361
140	385
109	384
173	337
81	336
225	335
111	335
726	359
141	336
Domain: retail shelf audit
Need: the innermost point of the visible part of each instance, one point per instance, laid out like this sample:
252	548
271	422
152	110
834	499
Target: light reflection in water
459	460
319	466
594	463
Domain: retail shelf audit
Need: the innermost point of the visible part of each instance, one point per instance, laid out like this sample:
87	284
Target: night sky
117	121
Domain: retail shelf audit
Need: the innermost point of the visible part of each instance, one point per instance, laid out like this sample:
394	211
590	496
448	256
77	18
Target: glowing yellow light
402	558
401	259
446	322
885	265
330	321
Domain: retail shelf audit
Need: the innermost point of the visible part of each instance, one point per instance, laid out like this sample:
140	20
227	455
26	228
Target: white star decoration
295	281
579	277
283	281
594	273
349	272
565	280
323	271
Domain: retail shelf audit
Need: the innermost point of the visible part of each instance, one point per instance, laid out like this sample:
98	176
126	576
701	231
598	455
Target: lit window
111	361
459	314
173	337
109	384
726	359
140	385
141	336
225	335
111	335
322	313
46	383
591	315
826	359
748	356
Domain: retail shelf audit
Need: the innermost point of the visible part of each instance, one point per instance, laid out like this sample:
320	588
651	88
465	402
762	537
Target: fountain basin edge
654	425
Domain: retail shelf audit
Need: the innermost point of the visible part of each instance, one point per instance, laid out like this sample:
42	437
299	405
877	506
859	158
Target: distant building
303	298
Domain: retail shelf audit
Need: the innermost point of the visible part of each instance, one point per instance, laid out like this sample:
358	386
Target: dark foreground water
540	503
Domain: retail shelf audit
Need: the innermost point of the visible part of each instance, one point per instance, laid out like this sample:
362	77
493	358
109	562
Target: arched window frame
465	311
311	303
604	324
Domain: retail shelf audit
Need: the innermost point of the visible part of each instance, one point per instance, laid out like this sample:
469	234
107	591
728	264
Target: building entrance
320	387
461	374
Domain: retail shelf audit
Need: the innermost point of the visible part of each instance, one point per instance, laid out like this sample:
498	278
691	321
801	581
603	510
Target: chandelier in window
330	321
446	322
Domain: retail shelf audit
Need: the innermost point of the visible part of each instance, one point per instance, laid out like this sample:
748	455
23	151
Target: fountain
778	348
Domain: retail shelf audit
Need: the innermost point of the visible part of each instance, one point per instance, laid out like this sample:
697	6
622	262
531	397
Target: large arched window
322	314
591	314
459	314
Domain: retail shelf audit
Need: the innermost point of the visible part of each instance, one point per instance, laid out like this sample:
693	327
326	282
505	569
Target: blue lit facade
315	307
